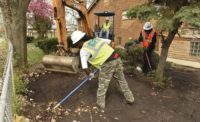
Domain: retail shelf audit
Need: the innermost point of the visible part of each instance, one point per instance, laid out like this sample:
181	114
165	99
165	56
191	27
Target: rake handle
74	90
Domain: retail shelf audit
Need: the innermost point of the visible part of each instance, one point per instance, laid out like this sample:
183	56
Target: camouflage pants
109	69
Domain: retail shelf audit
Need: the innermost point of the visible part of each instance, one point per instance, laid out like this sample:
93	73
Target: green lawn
34	54
34	57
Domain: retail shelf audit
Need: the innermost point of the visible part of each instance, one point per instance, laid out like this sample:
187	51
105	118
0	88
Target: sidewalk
184	63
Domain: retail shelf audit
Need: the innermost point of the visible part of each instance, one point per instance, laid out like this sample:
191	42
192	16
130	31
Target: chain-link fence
6	89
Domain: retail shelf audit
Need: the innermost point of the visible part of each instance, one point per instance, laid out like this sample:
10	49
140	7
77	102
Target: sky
71	15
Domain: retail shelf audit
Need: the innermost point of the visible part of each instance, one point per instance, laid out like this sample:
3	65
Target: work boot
101	102
129	102
100	105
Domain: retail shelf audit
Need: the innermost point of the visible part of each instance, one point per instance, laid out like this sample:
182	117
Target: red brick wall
132	28
122	28
180	49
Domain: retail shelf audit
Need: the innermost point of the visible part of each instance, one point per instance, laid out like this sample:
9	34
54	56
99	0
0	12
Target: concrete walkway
184	63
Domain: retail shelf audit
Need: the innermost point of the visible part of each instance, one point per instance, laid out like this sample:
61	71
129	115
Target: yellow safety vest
99	50
106	26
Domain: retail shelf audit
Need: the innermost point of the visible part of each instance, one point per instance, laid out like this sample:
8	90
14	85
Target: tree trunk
161	64
14	15
163	57
19	37
41	34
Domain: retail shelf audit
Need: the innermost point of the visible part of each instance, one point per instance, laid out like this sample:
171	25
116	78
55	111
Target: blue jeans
104	34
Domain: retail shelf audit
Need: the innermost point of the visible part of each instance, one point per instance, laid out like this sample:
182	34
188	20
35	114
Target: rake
74	90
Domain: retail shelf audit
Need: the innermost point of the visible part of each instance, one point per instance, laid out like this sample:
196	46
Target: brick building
125	28
186	46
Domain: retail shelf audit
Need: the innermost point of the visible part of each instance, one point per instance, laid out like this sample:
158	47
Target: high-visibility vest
99	50
147	38
106	26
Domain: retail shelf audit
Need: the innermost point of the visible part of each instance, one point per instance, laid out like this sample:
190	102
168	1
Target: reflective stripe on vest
96	50
99	50
147	38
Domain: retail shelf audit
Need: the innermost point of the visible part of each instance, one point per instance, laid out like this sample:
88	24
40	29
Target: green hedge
48	45
135	56
29	39
122	53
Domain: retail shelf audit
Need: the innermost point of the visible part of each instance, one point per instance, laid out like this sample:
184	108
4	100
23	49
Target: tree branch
162	36
27	2
24	4
6	11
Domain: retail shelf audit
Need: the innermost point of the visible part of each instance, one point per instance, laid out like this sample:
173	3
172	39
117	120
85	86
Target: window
195	48
119	39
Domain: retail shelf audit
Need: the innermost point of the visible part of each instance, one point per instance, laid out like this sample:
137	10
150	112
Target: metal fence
6	89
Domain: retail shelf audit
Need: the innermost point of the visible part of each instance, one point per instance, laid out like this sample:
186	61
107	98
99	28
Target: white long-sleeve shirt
84	54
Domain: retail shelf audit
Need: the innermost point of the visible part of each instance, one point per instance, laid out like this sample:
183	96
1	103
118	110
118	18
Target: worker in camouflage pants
109	69
101	55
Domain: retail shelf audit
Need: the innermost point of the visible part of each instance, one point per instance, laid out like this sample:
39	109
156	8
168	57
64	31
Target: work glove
91	76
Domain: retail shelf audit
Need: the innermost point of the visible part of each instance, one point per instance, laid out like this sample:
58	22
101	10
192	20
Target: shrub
121	52
48	45
29	39
20	84
135	56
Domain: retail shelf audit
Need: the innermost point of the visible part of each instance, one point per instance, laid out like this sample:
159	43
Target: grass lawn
34	54
34	57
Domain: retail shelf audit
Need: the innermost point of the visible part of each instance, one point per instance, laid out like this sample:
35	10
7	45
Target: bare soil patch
178	104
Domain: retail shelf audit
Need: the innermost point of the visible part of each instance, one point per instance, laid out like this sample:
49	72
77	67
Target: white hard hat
147	26
76	36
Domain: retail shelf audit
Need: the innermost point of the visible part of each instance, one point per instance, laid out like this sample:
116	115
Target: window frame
195	48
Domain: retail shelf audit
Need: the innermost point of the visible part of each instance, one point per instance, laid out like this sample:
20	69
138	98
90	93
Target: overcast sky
71	15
